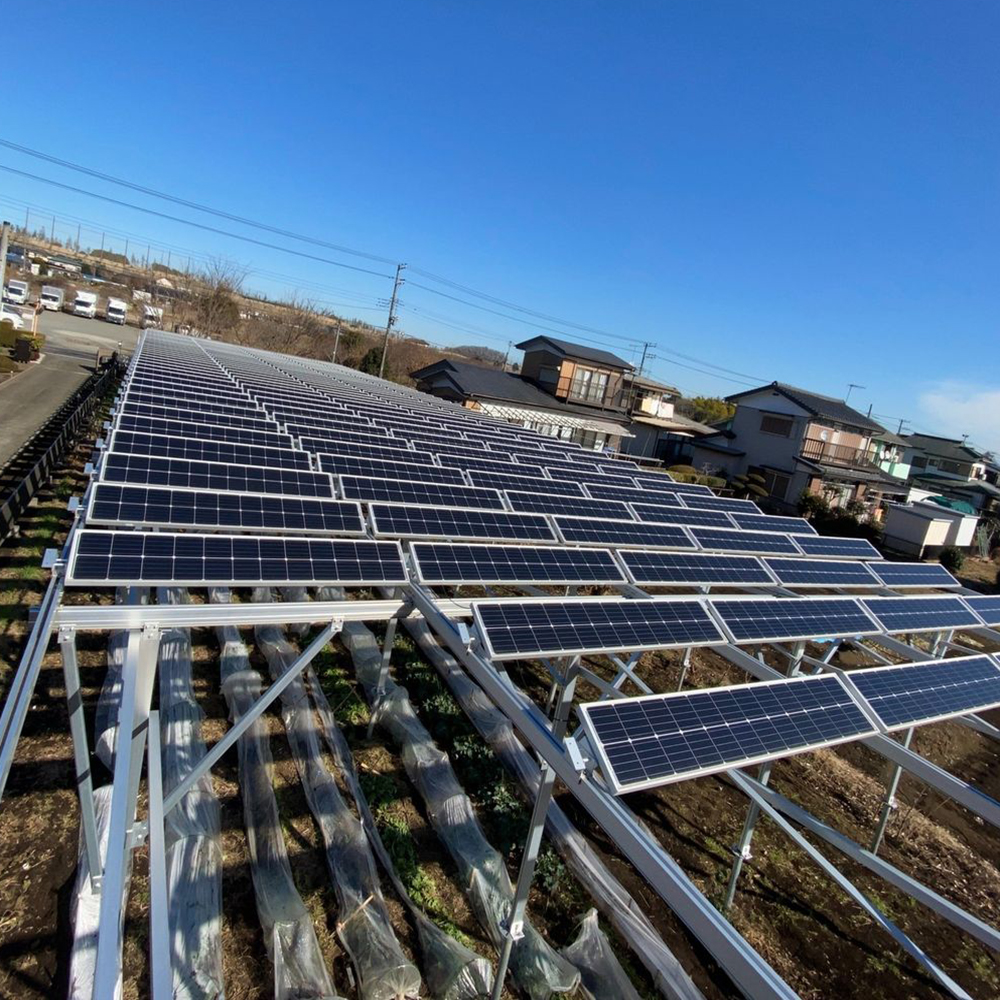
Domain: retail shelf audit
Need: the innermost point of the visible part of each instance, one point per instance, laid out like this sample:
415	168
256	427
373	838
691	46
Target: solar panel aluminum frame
636	525
589	651
878	567
71	579
876	628
608	771
990	620
301	455
507	582
735	533
914	629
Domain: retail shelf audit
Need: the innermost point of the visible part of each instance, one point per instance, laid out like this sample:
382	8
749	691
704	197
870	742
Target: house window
548	377
771	423
775	483
589	385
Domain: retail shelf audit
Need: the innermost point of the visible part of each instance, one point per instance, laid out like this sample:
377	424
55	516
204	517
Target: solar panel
205	432
160	507
761	543
699	502
195	449
681	515
601	531
426	494
843	548
502	481
769	522
385	468
987	608
560	627
441	564
661	738
592	477
219	419
626	495
326	437
788	619
920	614
397	452
919	693
580	507
665	483
399	521
485	465
143	470
821	573
900	575
694	569
246	411
101	557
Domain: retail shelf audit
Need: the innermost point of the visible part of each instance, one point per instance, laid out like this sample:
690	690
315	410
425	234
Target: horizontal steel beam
120	616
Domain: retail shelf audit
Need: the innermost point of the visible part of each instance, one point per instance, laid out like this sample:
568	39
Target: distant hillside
481	355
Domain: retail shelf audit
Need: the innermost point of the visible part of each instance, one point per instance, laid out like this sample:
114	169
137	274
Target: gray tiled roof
578	351
826	407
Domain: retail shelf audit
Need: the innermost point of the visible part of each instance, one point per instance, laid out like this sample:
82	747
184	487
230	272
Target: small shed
923	529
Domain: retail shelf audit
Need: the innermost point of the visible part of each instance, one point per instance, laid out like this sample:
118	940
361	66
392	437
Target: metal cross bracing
621	564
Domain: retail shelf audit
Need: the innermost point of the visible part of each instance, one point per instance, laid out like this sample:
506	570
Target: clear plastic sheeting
536	967
608	894
106	713
600	971
364	927
296	594
452	971
192	834
289	935
86	907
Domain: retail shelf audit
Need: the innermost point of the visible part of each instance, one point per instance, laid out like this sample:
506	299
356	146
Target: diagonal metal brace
246	721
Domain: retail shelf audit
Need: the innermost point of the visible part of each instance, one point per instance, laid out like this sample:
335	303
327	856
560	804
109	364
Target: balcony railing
836	454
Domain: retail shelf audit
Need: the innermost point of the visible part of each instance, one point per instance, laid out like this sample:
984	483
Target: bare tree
217	309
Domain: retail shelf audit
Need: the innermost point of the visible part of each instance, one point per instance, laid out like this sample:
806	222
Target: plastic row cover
289	935
609	895
536	967
452	971
600	970
192	835
364	927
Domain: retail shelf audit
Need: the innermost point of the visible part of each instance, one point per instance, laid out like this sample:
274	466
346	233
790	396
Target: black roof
947	448
576	351
475	381
826	407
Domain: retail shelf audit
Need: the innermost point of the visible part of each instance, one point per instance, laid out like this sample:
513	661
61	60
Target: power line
191	222
219	213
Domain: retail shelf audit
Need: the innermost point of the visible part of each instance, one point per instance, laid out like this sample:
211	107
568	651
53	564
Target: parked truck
152	317
16	292
115	311
85	304
51	298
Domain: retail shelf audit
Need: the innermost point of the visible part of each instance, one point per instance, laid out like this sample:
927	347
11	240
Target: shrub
812	504
371	362
951	558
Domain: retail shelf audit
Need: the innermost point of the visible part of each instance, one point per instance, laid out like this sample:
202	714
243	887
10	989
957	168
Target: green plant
951	558
813	504
371	362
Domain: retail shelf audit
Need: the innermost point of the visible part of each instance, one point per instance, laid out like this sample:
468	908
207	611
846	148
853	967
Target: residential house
951	468
657	431
800	441
563	390
892	454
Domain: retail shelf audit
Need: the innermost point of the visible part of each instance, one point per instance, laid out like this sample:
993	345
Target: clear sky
801	191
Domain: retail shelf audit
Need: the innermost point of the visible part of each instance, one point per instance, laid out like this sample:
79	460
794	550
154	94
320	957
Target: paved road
30	398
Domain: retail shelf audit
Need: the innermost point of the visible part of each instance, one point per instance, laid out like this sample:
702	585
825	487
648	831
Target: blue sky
795	191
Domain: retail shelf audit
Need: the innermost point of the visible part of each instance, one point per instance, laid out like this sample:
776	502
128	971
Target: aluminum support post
906	943
81	755
685	667
889	803
248	718
962	919
138	673
159	922
514	930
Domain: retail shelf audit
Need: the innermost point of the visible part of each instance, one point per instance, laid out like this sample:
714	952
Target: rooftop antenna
851	386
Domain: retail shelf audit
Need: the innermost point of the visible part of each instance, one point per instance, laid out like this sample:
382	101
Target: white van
115	311
152	317
85	304
51	298
16	292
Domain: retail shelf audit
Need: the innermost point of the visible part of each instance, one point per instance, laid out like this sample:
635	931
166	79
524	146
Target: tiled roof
826	407
578	351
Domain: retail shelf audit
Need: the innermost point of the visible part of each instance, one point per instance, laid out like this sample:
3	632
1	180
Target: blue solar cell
409	521
762	543
694	569
597	531
658	514
987	608
441	564
900	574
385	468
920	614
837	548
573	506
769	522
418	493
821	573
788	619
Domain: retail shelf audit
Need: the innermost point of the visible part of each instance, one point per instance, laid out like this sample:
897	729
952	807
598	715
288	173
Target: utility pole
126	249
645	348
850	387
870	405
899	430
506	355
4	236
336	342
392	315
